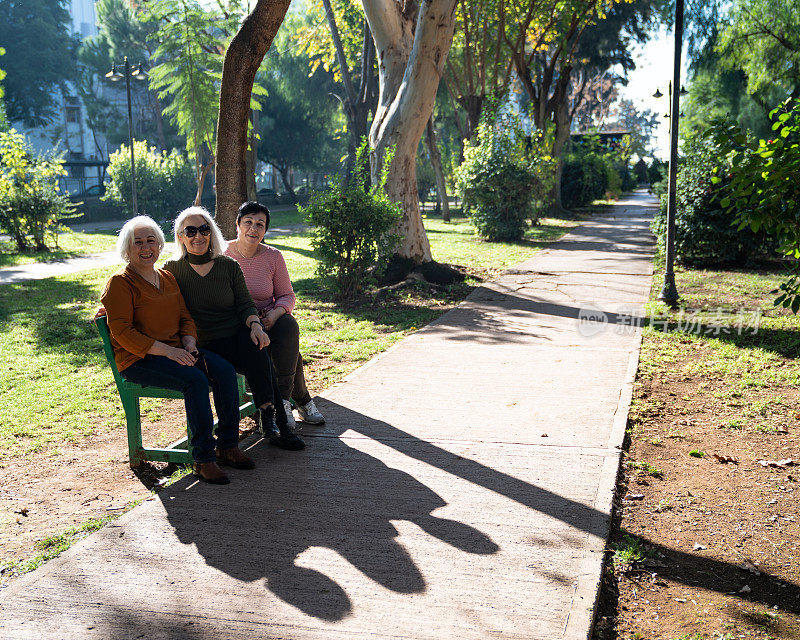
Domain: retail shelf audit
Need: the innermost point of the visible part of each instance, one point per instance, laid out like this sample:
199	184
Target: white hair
216	244
125	239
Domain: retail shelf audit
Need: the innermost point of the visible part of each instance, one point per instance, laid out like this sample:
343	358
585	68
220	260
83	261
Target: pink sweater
267	278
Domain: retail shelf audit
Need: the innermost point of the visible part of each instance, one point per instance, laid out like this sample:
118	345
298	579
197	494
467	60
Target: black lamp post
115	76
669	293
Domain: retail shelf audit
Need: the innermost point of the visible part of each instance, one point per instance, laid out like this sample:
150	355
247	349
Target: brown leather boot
234	457
210	472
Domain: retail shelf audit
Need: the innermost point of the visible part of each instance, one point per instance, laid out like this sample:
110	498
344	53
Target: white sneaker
309	413
290	421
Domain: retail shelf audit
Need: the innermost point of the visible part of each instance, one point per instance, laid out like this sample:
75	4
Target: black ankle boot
287	439
267	423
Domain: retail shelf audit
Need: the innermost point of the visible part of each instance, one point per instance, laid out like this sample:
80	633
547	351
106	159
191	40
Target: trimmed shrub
31	204
584	178
705	229
504	179
165	182
353	227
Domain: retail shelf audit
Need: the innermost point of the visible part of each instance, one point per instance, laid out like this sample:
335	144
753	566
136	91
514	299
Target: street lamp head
114	75
139	73
658	94
683	92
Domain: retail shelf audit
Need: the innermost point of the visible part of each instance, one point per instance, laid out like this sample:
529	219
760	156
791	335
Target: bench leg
133	420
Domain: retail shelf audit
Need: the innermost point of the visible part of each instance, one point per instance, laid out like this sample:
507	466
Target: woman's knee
285	328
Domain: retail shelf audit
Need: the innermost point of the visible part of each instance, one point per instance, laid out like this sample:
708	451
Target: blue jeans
160	371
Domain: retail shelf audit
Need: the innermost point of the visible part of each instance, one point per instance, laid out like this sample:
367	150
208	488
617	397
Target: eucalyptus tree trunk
242	59
412	43
436	162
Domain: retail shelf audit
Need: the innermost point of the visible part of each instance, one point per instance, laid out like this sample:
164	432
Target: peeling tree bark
412	43
242	59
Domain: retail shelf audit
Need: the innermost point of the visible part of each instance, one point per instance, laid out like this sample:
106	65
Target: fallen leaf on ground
726	459
777	464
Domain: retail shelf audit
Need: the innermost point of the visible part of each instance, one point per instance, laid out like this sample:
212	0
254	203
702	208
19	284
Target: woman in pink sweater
268	281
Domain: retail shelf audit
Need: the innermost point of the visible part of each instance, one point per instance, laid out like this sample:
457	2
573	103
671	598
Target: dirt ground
706	547
47	493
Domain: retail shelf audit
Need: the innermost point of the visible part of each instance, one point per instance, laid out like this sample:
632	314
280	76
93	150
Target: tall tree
242	60
192	39
40	56
3	117
412	42
347	49
300	123
762	38
591	33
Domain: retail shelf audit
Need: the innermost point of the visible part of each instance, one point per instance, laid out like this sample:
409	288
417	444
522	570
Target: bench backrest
105	336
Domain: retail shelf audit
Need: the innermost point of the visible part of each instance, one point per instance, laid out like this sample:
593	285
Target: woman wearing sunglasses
155	343
228	324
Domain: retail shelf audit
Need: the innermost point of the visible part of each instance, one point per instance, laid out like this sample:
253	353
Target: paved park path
461	488
64	266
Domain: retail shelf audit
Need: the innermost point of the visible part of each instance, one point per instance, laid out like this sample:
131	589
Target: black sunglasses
190	232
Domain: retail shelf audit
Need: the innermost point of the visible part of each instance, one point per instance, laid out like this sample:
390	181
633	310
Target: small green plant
630	551
353	227
31	204
656	442
696	453
735	423
663	505
165	183
646	467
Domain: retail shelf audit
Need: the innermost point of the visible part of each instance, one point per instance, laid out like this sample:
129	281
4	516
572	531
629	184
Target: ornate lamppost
115	75
669	293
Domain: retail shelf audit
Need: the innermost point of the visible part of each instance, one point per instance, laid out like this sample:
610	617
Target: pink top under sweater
267	278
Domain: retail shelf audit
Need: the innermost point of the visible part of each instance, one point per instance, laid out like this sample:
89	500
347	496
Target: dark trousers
160	371
284	348
255	365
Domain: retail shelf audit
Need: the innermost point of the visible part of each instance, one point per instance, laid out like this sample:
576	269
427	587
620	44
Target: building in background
85	151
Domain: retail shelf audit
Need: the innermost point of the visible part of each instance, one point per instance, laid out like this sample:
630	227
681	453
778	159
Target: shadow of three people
331	495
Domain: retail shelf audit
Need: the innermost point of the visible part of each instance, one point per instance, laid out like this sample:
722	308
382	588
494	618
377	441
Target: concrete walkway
65	266
461	488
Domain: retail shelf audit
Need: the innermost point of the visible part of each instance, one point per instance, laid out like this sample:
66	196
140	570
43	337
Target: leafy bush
705	229
657	171
761	185
584	178
504	179
629	179
353	235
165	182
31	205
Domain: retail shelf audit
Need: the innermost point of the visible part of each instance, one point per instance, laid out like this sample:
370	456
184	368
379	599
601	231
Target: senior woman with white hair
228	324
155	343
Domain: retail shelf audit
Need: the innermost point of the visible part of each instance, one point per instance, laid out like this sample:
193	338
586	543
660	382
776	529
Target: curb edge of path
583	613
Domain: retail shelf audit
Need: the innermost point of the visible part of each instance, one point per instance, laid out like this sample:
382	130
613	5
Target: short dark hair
251	207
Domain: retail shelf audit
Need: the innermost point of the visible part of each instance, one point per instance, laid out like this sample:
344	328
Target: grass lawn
76	243
701	513
70	245
55	385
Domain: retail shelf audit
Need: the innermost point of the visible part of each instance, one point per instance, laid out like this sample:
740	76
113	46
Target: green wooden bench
129	394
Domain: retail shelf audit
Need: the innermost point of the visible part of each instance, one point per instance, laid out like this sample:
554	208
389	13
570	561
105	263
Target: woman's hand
189	343
181	356
258	335
269	318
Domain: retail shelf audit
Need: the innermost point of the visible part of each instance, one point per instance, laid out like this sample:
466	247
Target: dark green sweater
219	301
